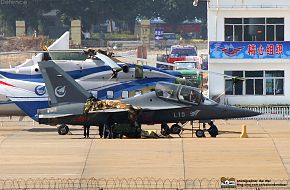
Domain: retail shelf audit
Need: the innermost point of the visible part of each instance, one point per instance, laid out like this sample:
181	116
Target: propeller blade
109	61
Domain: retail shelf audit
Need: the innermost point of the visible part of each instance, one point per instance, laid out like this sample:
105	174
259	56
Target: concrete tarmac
28	151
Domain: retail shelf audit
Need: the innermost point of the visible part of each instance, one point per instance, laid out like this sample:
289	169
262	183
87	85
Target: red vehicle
182	53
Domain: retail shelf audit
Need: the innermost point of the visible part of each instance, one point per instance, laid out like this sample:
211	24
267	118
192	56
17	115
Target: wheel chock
244	132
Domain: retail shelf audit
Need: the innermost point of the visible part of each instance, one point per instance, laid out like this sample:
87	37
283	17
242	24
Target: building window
233	86
274	82
254	83
110	94
254	29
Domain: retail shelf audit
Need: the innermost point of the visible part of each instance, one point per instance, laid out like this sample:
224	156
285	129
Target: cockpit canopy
177	92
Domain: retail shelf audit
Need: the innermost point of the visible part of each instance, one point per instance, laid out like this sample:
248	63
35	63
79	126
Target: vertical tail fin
60	86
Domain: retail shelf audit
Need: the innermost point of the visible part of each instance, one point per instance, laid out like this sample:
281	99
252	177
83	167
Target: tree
31	12
98	11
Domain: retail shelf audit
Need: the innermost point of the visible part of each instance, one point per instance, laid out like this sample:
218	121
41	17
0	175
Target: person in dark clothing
213	130
101	131
108	131
87	131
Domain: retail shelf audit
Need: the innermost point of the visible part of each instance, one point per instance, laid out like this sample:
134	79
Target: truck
185	60
190	70
182	53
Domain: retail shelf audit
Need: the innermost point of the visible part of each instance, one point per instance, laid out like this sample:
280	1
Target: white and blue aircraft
100	75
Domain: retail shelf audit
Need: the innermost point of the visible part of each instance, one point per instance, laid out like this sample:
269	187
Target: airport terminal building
251	40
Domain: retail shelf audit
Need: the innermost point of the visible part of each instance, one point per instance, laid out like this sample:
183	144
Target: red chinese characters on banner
279	49
252	49
271	49
261	50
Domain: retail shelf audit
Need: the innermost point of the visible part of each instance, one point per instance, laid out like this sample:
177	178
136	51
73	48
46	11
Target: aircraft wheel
199	133
63	129
175	129
164	133
165	129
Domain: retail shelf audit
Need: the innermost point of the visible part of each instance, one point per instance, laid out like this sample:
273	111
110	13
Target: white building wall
218	10
216	19
217	83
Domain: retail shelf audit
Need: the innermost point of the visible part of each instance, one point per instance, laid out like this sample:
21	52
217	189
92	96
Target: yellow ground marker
244	132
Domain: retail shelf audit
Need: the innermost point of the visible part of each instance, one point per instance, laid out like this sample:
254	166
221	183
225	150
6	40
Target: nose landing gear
199	133
212	130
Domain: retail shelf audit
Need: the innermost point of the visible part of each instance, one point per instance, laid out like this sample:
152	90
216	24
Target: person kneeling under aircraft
213	130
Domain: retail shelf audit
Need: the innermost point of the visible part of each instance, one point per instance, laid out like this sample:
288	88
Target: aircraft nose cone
235	112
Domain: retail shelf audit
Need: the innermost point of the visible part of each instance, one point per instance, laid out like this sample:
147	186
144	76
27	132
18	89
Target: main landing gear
63	129
174	129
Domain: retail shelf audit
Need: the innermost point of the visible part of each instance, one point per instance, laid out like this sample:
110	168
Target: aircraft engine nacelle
125	68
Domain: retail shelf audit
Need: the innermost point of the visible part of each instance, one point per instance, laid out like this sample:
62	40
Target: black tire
165	130
199	133
63	129
175	129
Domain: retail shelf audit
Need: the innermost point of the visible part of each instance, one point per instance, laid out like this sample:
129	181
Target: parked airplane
94	74
71	104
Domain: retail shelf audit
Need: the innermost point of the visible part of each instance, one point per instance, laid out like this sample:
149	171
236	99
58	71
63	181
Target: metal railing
138	183
269	113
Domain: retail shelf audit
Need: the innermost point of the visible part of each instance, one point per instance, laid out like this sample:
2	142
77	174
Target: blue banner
158	34
249	50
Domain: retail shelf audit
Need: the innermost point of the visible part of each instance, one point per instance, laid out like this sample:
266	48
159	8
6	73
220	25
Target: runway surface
28	151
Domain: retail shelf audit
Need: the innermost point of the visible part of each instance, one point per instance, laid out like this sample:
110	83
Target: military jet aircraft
71	104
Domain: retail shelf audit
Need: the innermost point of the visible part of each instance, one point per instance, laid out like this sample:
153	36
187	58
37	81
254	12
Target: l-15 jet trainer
71	104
